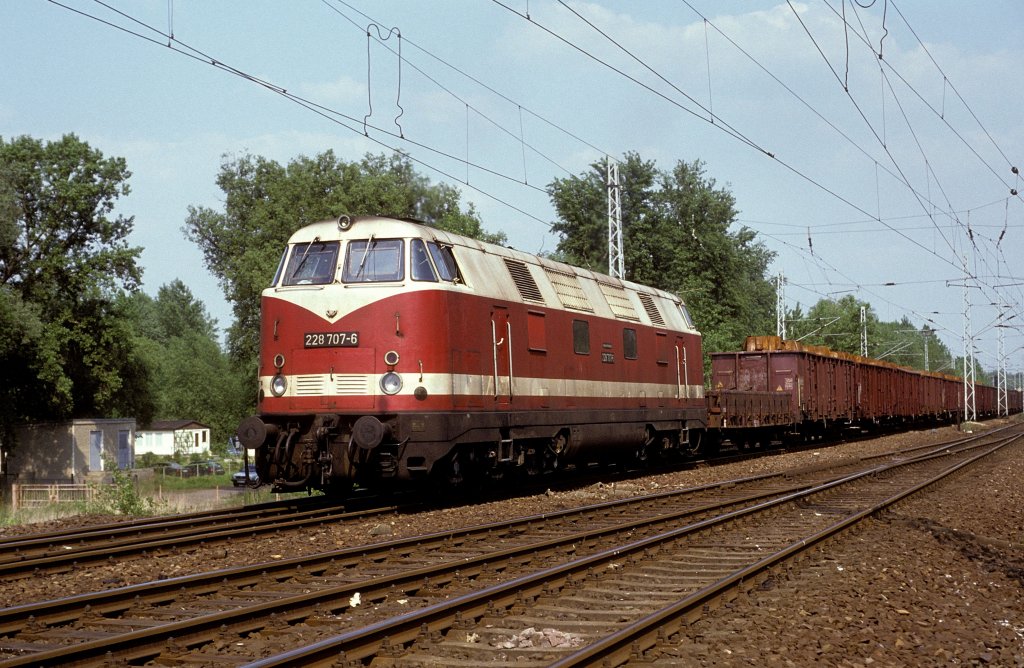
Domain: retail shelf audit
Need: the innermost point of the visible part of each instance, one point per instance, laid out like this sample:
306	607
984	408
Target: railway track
60	551
239	614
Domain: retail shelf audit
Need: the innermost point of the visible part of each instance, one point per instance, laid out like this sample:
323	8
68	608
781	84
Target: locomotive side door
501	348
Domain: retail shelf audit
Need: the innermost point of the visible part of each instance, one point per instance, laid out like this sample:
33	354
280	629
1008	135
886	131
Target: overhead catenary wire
182	48
940	113
447	154
879	137
729	130
330	4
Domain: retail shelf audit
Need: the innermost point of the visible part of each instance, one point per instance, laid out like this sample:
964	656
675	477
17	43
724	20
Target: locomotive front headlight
391	383
278	385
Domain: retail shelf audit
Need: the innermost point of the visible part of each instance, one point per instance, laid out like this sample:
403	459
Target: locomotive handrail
679	379
508	328
494	343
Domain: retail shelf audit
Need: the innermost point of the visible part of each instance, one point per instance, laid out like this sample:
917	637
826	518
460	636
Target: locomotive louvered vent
652	309
527	287
567	286
619	301
309	386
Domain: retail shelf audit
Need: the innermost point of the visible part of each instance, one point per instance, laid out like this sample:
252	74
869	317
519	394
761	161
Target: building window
581	337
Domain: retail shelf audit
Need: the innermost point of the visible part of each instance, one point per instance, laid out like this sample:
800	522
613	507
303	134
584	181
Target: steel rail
270	507
62	558
392	634
253	617
113	601
619	647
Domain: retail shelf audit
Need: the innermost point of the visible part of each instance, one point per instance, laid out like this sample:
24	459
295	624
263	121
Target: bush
121	496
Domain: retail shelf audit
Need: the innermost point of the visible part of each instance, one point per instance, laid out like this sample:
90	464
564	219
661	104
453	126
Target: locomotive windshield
312	263
374	260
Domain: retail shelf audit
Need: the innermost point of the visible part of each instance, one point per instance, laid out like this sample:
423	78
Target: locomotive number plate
331	339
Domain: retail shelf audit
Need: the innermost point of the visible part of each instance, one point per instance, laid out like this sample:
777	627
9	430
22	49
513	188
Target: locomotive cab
353	331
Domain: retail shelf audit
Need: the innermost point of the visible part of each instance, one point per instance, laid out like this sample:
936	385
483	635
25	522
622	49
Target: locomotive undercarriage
334	451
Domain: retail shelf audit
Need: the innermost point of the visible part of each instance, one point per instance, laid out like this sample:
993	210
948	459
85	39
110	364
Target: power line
178	46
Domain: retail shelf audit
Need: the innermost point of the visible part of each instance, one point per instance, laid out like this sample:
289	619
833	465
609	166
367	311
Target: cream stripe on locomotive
437	384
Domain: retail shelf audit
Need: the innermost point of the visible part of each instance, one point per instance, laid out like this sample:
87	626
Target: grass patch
172	483
53	511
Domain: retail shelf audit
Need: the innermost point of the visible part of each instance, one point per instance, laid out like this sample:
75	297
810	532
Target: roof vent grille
567	286
619	302
521	276
652	309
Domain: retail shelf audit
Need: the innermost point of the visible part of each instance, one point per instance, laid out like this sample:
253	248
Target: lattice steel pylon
1002	401
863	332
924	335
780	306
616	259
970	414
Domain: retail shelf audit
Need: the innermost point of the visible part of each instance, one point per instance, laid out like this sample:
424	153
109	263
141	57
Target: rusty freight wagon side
823	390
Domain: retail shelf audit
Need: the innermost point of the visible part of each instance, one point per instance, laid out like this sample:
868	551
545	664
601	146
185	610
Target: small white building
168	438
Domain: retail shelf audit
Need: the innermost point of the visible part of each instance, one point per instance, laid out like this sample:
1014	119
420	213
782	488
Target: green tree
676	236
265	202
835	324
193	378
64	260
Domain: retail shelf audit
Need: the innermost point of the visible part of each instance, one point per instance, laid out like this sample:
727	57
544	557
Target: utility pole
616	261
780	306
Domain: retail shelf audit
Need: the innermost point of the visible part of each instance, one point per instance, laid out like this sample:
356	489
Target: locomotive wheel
555	448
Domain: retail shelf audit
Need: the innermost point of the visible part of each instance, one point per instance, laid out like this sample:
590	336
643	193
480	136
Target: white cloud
344	94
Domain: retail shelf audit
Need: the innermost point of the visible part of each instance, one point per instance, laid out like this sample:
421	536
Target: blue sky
841	161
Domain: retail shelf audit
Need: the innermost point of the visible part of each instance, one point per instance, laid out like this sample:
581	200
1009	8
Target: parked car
177	470
209	468
238	479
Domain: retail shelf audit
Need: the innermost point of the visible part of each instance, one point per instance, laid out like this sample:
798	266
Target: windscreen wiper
302	260
369	244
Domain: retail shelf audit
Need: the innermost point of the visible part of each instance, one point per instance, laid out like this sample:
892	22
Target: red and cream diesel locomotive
393	351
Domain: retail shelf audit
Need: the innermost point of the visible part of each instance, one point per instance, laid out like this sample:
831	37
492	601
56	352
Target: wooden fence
37	496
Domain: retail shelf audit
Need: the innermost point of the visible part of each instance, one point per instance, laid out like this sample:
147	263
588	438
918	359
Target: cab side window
444	260
581	337
629	343
422	269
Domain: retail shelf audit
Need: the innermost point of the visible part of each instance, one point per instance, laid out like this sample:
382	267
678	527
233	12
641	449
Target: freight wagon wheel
710	444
